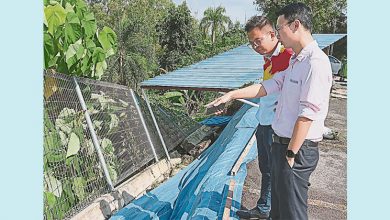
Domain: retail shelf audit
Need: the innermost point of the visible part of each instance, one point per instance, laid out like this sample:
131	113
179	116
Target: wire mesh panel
72	174
174	127
151	127
118	125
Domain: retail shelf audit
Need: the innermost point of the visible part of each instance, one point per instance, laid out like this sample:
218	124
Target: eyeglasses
278	28
257	42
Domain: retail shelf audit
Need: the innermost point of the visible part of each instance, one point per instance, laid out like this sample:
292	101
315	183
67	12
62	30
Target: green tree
214	22
235	36
178	37
135	24
329	16
72	42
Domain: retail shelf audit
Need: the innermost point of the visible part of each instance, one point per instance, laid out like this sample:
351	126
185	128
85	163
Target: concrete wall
104	206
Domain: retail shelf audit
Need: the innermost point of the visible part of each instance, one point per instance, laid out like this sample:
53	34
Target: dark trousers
264	141
290	185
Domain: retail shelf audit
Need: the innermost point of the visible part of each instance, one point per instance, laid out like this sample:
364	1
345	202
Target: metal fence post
155	124
143	123
93	134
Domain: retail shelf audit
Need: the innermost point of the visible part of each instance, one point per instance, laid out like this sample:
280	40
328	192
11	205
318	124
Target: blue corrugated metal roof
226	71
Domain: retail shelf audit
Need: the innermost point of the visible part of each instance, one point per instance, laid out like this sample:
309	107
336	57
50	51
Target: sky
237	10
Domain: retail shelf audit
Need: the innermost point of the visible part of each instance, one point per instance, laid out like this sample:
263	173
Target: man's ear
296	25
273	35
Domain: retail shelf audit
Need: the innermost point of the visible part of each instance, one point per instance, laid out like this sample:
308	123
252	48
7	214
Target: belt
286	141
280	140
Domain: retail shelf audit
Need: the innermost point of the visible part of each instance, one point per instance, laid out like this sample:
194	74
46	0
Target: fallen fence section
201	190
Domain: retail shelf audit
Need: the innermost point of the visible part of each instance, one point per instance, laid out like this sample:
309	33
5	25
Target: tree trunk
213	34
122	75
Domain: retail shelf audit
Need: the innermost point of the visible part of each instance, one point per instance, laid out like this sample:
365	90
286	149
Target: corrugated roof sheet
226	71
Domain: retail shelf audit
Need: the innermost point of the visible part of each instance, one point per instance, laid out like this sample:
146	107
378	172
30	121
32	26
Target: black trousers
289	186
264	141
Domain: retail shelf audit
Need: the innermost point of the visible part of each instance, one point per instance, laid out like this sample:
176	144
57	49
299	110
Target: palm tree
215	22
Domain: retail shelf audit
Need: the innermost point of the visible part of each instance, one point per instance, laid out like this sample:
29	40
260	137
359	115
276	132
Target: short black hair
297	11
257	21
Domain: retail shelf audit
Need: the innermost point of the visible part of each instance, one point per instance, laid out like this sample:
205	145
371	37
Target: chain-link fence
73	174
118	123
174	127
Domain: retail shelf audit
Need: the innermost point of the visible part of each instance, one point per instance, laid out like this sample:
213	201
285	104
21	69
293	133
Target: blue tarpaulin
199	191
216	121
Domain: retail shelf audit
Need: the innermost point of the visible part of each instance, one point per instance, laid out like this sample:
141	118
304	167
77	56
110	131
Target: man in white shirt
300	113
262	38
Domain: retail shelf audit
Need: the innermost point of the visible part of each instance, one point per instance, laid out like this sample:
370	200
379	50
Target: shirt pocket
292	87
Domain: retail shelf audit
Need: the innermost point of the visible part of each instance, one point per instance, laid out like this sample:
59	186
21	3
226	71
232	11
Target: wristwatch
290	154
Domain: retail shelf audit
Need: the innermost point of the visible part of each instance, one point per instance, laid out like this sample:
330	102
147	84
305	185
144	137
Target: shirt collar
276	51
306	50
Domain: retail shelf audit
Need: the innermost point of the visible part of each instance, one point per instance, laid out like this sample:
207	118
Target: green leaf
63	125
116	108
90	45
89	16
47	122
53	2
52	185
49	50
181	100
55	16
53	147
89	25
114	122
79	129
64	138
107	38
71	53
67	113
98	55
97	124
73	30
169	95
110	52
81	7
73	145
90	147
79	185
107	145
80	52
62	67
86	64
51	141
52	157
52	62
95	96
68	7
50	199
73	162
67	199
113	173
124	104
100	67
